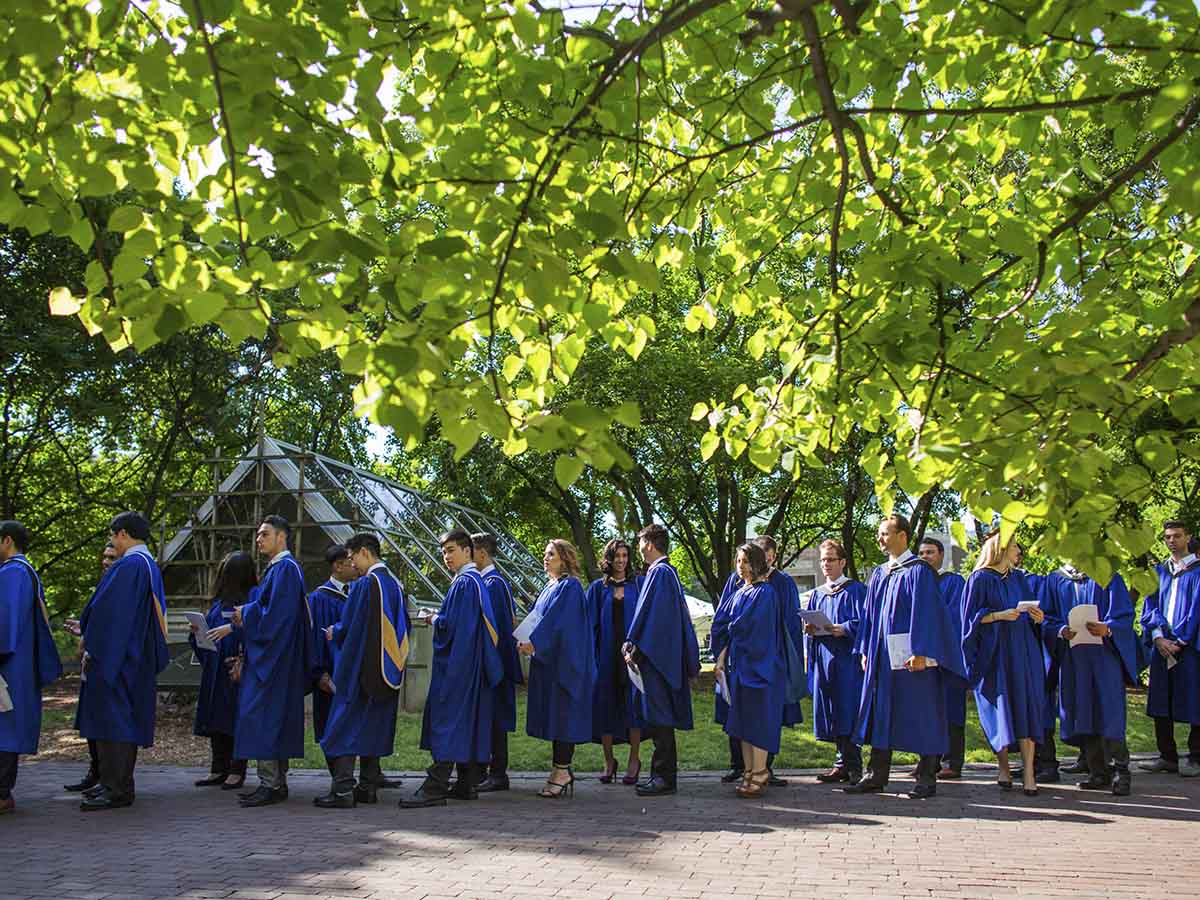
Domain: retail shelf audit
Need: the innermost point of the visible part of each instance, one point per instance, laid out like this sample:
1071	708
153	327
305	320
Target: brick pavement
972	841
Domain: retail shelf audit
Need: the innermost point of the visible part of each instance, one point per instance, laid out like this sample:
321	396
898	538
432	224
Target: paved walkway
972	841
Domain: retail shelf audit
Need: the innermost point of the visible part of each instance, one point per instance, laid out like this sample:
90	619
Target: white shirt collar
379	565
140	548
661	559
1178	567
278	556
340	585
490	568
897	561
469	567
830	585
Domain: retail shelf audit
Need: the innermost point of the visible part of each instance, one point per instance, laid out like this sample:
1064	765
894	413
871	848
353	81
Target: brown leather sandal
755	785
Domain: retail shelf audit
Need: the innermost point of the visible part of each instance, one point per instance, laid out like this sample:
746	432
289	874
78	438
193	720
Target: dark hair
133	524
336	553
364	540
836	545
657	536
934	542
610	558
756	557
11	528
279	523
485	541
767	543
901	523
1176	523
236	575
456	536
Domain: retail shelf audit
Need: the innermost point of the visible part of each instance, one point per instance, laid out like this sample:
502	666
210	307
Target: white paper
1077	621
723	687
202	641
1023	605
635	677
525	629
6	703
1171	661
817	620
899	649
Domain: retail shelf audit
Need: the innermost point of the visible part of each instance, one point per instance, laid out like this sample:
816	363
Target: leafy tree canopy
996	203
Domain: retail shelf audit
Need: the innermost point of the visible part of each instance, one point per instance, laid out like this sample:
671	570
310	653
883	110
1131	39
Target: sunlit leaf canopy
987	212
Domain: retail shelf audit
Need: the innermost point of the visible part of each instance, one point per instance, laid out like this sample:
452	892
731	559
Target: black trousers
1105	755
879	767
849	755
664	763
8	773
1164	737
94	756
499	765
370	773
958	748
735	755
223	762
563	753
1046	754
117	761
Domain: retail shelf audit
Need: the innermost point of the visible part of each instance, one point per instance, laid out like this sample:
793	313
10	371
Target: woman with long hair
611	601
1003	656
562	667
753	667
217	705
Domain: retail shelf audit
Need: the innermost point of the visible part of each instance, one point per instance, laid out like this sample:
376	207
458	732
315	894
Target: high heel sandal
234	785
628	779
610	773
555	791
1004	785
755	784
1029	792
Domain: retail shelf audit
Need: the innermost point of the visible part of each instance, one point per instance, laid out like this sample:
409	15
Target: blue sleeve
16	606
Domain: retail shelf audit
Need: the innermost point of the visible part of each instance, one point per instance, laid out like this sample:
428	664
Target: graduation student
718	639
562	667
276	631
612	599
125	639
1003	656
789	598
1092	676
910	649
108	556
754	666
834	667
326	603
456	726
951	586
661	643
220	672
28	657
372	649
504	700
1170	623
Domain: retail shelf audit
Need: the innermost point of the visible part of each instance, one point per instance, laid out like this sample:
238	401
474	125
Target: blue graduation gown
562	671
1174	693
904	710
125	635
718	638
372	649
610	700
951	585
1003	660
28	657
466	667
789	614
834	667
1091	677
217	702
504	614
668	654
326	603
277	672
755	666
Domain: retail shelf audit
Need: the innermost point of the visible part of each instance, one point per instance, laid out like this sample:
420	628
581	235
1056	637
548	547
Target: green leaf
567	470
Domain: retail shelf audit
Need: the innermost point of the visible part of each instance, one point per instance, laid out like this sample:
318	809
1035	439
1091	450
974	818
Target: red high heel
632	779
610	774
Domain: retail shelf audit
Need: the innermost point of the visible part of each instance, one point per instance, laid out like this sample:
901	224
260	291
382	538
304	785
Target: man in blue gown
1170	630
910	650
326	603
504	701
277	635
789	603
1092	677
661	644
456	726
951	586
28	657
372	648
125	639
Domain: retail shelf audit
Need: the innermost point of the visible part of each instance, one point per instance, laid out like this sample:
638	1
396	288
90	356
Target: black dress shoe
90	780
733	775
491	784
265	796
424	796
1047	776
655	787
922	792
1074	768
366	794
104	801
211	781
335	801
836	775
1157	766
867	785
1096	783
94	791
1122	785
463	790
775	781
389	784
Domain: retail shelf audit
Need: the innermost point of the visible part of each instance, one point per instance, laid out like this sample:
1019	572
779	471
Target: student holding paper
1089	629
951	586
1003	658
718	640
909	649
562	667
220	671
834	667
753	668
